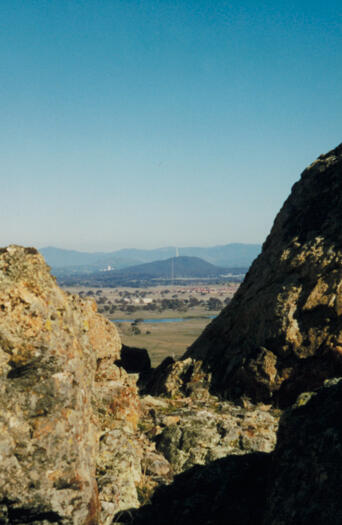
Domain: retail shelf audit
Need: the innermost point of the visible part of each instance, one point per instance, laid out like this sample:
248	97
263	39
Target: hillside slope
174	267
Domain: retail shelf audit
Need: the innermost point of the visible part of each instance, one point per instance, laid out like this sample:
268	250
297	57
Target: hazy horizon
147	248
158	123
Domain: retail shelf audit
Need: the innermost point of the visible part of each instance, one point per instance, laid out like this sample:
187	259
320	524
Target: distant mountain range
65	262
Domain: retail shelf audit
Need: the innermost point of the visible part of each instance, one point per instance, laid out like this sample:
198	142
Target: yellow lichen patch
53	475
303	399
338	349
94	306
66	413
22	355
285	255
33	327
317	296
338	300
43	427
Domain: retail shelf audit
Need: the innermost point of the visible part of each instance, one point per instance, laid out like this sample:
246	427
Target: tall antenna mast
173	266
172	269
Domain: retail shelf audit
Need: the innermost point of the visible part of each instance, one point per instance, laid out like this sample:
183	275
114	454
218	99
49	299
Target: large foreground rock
59	392
282	332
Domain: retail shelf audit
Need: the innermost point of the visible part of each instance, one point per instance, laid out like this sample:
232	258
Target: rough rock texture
117	410
306	476
176	379
282	332
52	348
118	472
77	446
190	433
48	438
296	484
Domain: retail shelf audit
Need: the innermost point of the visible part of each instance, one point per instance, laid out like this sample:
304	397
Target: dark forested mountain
70	261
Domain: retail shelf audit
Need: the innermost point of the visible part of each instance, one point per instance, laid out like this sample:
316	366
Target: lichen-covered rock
282	332
192	434
118	472
306	473
176	379
48	440
156	466
296	484
116	399
59	391
118	462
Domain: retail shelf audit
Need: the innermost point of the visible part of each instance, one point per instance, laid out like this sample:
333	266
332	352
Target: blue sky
153	123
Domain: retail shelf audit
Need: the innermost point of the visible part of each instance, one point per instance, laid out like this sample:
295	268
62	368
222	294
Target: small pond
163	320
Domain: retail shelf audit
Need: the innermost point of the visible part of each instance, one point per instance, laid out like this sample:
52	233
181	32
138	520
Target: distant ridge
72	261
178	267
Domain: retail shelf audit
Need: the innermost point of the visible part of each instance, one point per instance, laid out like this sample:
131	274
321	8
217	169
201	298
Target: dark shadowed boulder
229	491
305	479
134	360
296	484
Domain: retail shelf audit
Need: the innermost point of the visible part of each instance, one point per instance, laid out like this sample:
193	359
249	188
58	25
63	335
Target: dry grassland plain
164	339
161	339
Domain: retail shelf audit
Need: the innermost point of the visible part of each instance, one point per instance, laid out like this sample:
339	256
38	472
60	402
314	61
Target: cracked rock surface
59	391
189	432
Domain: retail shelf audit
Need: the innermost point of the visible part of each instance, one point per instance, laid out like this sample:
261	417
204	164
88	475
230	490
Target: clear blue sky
151	123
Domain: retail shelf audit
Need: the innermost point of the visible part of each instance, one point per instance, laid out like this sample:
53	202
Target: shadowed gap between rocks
27	515
228	491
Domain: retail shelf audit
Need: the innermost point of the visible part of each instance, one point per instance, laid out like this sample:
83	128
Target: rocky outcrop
118	472
280	336
296	484
282	332
77	446
117	411
176	379
60	391
190	432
